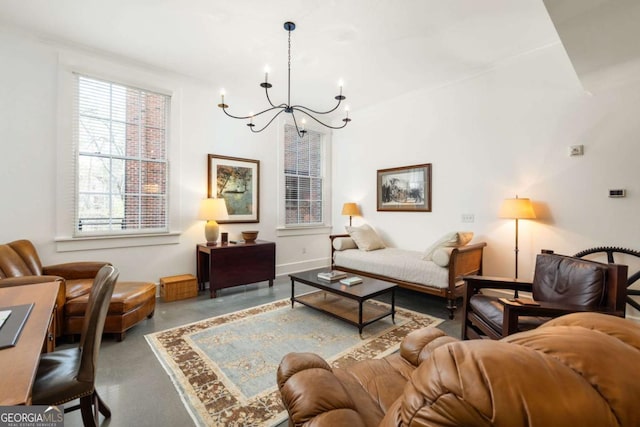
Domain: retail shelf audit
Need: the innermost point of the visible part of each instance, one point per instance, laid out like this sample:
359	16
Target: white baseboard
294	267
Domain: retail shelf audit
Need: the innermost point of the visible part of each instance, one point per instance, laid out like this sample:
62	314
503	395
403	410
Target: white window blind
303	177
120	138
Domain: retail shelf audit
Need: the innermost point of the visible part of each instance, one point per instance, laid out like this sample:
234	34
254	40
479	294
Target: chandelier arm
272	119
275	107
266	92
295	123
298	107
232	116
323	124
253	115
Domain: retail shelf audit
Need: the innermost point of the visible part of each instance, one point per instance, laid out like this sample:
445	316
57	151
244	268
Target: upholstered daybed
437	271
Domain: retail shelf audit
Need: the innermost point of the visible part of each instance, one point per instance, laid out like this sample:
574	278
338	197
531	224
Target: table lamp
350	209
212	210
517	209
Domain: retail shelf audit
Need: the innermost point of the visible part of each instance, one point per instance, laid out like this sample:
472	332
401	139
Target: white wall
502	133
28	133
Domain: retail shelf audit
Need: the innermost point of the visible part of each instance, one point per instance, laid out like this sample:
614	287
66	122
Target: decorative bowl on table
250	236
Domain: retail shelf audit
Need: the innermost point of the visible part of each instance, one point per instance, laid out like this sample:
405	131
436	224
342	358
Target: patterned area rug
224	368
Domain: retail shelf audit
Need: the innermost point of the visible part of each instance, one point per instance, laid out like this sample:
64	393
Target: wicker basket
175	288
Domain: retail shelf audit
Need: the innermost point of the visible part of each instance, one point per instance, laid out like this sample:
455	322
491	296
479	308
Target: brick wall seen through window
121	139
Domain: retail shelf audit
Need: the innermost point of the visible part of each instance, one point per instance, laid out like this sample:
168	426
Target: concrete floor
139	392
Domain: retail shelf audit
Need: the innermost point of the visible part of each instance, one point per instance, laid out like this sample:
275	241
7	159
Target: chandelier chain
289	71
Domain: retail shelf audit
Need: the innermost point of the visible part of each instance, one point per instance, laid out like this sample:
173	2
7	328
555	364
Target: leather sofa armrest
418	345
75	270
312	394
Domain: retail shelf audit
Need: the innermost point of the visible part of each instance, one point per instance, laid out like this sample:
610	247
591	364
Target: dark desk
235	264
18	365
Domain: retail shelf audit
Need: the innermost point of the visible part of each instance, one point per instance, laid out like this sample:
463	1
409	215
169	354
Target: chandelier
288	107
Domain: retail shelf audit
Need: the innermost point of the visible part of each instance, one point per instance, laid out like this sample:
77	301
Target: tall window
120	137
303	173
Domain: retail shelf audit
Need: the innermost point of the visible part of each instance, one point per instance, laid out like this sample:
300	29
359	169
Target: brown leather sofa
20	265
580	370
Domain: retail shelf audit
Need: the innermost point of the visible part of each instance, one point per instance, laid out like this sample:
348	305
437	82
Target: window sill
303	231
69	244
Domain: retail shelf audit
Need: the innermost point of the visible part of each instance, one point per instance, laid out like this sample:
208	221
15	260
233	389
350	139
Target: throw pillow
344	243
454	239
366	238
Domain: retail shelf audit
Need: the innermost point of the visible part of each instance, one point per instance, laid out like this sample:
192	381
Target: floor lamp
517	209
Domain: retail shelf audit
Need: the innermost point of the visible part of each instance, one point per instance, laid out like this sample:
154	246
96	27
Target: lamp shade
213	209
517	209
350	209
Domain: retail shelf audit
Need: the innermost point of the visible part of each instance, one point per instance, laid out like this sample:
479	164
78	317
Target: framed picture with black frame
237	181
404	189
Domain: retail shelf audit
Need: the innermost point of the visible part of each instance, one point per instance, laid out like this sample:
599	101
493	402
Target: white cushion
344	243
365	237
441	256
454	239
400	264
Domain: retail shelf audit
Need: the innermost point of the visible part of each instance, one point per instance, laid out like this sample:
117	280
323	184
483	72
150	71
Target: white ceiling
601	39
380	48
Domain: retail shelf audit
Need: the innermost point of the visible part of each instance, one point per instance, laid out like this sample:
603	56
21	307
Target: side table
233	264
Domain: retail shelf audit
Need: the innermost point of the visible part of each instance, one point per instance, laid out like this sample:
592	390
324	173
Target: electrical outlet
576	150
467	218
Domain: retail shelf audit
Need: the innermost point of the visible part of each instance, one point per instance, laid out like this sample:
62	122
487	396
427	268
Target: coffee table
347	303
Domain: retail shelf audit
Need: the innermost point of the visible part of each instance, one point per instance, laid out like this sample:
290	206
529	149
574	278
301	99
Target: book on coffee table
332	275
350	281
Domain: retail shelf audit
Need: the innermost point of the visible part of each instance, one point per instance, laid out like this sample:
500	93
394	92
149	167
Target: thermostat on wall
617	193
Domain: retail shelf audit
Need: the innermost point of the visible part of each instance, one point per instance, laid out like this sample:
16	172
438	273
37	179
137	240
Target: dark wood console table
234	264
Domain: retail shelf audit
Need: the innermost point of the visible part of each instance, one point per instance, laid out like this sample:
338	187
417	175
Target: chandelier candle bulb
222	104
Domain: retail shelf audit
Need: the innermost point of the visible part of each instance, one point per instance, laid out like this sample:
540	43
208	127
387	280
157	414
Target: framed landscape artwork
238	182
405	189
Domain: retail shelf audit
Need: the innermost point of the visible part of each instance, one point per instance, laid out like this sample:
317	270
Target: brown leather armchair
561	285
20	265
578	370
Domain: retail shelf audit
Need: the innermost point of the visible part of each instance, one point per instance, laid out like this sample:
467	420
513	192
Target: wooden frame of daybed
464	261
